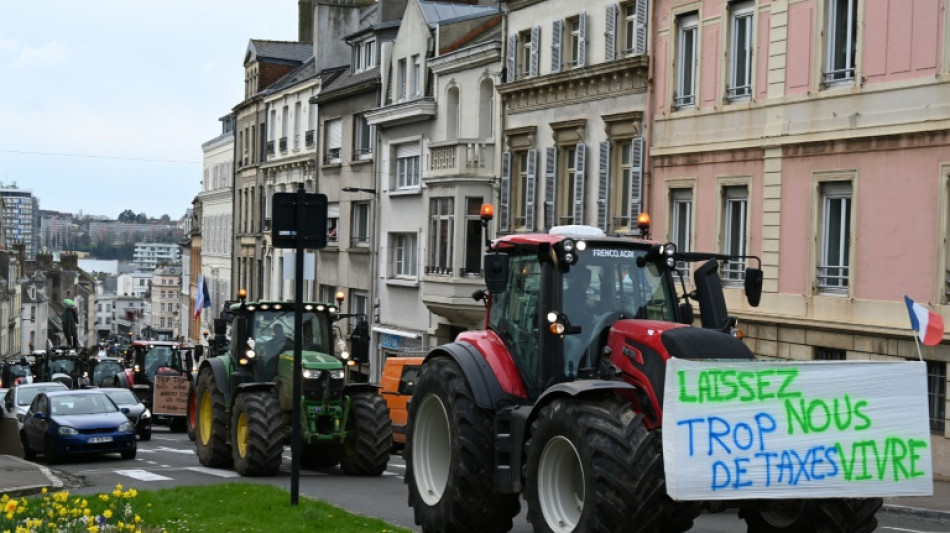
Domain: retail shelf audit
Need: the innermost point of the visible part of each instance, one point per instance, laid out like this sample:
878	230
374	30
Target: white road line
906	530
142	475
398	467
189	451
213	471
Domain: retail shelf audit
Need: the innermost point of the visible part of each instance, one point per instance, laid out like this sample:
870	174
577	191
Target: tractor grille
323	388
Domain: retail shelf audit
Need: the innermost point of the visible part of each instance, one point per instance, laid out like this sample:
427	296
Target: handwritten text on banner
737	430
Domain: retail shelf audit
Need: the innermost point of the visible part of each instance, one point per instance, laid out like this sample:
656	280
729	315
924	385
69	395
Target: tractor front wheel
833	515
211	423
591	465
256	434
449	453
369	436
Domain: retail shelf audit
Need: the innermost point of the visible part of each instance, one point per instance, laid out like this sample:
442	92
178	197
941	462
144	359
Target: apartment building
813	134
149	255
217	220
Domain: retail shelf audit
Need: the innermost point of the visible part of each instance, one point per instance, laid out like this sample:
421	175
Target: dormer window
365	55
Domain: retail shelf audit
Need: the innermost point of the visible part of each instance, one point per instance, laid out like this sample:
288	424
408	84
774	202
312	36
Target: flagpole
917	342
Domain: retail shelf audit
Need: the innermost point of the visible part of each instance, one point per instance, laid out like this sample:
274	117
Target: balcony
283	144
308	138
450	296
457	157
405	112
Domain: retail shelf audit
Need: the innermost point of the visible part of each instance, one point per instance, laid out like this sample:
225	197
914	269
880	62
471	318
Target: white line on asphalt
142	475
174	450
213	471
398	467
907	530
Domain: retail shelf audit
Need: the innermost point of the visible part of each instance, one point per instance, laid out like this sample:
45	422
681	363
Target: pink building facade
816	135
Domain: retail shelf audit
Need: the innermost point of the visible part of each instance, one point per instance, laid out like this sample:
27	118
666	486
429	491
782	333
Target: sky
104	104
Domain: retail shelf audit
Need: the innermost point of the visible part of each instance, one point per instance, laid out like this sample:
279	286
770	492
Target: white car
17	400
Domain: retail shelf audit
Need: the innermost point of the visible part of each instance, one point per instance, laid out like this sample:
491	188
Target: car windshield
105	369
81	404
26	394
122	396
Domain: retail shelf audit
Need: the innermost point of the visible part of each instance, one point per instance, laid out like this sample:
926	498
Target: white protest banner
817	429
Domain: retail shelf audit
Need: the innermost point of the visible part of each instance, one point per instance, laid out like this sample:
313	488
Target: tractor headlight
345	355
137	368
243	361
568	245
336	374
66	430
312	374
250	354
125	427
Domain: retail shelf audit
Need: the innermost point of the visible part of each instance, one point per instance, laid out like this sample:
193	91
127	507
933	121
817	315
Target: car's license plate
97	440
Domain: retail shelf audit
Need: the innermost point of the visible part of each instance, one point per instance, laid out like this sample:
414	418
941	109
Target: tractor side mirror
686	313
359	342
496	272
753	286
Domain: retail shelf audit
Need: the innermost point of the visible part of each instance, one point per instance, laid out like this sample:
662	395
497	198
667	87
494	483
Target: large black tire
256	434
192	416
591	465
321	454
832	515
369	436
211	443
450	447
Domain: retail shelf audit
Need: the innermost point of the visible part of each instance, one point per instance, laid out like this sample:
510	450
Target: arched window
452	113
486	109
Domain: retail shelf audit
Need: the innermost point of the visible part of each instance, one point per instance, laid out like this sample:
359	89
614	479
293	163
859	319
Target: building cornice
596	82
467	58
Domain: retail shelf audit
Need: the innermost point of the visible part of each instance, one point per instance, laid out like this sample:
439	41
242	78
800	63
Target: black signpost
300	221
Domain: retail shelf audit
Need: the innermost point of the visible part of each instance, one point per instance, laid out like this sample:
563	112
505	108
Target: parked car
76	422
138	414
399	376
18	399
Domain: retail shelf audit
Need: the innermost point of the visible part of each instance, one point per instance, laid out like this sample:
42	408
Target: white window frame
833	274
687	47
298	111
401	81
407	166
403	260
416	88
524	54
681	222
362	147
741	45
573	40
841	74
566	185
334	141
735	224
359	234
441	235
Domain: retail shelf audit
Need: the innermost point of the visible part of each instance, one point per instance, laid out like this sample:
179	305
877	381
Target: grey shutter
610	34
557	31
636	179
641	41
550	185
511	53
530	189
505	193
582	40
603	185
580	173
535	50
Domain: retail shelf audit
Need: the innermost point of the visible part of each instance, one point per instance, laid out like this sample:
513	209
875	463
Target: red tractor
559	399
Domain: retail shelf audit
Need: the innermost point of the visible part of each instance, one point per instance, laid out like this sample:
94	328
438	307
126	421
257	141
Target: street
168	460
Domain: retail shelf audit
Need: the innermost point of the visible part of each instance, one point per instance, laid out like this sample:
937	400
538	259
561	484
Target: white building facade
217	217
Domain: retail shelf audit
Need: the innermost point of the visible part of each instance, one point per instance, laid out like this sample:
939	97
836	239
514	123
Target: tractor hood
313	360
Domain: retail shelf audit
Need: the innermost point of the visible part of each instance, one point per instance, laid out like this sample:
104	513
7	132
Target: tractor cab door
516	317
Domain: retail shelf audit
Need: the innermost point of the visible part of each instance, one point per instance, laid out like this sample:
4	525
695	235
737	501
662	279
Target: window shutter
610	34
557	32
582	41
535	50
603	185
530	189
636	178
407	150
550	185
335	134
641	37
505	193
580	172
510	58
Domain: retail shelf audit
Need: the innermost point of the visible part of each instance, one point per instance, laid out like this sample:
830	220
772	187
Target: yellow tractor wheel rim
204	417
242	435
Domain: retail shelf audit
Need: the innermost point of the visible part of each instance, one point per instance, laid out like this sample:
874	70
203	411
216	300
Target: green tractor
244	399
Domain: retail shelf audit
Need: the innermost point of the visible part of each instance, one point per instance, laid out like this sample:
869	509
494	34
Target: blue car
76	422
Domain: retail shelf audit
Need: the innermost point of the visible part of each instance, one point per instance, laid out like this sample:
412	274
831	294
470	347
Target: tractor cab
556	298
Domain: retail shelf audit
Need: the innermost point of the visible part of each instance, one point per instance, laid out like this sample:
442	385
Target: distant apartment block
21	218
149	255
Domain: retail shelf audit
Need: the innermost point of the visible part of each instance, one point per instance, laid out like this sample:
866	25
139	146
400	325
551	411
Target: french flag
927	324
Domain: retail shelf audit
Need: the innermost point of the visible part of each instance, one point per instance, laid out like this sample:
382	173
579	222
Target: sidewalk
19	477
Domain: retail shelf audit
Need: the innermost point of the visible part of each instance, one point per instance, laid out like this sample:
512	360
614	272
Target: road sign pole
298	348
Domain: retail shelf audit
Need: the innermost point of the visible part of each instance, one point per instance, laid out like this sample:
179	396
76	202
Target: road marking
907	530
213	471
400	467
142	475
189	451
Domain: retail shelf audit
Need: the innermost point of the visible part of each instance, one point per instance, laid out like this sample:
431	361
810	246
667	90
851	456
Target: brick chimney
69	261
44	261
305	21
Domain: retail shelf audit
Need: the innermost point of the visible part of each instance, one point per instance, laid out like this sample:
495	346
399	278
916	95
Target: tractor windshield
157	357
609	280
273	332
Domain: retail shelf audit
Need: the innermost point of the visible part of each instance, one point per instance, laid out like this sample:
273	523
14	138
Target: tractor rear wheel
256	434
832	515
192	416
211	421
449	453
369	436
591	465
